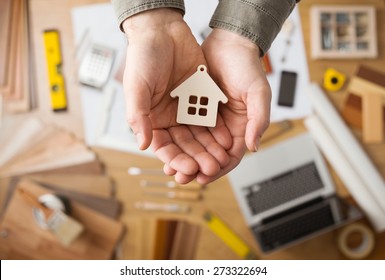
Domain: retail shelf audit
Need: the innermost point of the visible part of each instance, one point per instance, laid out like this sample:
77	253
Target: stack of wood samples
44	159
16	81
28	145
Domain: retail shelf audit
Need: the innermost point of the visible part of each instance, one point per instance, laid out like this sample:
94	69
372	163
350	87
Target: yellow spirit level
55	76
228	236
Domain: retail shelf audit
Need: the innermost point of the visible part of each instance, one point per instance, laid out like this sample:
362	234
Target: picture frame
343	32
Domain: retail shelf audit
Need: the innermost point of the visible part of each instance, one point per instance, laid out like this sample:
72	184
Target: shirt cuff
125	9
258	20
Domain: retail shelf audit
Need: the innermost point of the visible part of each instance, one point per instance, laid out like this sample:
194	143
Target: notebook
286	193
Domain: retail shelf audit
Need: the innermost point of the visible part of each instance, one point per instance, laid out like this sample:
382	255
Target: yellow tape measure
55	76
228	236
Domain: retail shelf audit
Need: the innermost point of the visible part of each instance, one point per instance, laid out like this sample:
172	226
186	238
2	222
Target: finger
221	134
235	155
181	178
168	170
171	154
258	114
138	105
183	138
206	139
178	176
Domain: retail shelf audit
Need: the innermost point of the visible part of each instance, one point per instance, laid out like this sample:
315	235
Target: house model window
198	99
196	107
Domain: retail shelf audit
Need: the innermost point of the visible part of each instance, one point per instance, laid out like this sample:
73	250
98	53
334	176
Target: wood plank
8	87
360	86
98	185
108	205
372	118
5	21
20	99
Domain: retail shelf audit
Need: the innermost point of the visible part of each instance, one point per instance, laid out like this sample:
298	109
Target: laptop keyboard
282	188
294	228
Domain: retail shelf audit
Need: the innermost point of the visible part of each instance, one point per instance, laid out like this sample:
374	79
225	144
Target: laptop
286	193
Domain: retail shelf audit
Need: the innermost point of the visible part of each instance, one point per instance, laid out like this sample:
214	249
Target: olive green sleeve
126	8
258	20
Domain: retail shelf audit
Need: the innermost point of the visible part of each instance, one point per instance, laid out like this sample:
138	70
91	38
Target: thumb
258	113
138	105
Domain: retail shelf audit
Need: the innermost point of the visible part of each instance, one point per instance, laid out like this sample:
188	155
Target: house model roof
200	83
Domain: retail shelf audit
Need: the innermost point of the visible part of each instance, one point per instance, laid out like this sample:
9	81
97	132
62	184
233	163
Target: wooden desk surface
138	241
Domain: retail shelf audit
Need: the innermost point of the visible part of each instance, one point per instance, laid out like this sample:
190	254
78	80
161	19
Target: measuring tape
333	80
228	236
55	76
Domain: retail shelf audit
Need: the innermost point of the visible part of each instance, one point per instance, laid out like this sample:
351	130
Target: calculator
95	67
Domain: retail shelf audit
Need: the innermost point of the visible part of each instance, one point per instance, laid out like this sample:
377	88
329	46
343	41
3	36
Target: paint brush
144	171
185	195
65	228
172	185
163	207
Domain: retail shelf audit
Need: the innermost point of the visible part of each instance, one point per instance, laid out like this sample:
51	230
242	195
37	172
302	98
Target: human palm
159	57
234	64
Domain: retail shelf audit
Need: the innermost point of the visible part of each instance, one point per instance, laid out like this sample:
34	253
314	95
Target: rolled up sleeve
258	20
126	8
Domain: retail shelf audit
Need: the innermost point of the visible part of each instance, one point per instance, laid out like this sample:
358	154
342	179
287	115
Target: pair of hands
161	54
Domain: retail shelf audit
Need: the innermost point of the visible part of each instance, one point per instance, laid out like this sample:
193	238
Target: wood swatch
372	119
352	110
108	206
5	20
369	84
34	146
185	241
91	184
175	240
15	85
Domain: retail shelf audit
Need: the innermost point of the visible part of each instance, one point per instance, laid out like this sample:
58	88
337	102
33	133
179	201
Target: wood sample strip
372	118
7	88
164	236
367	80
21	98
352	112
369	84
371	75
359	86
108	206
5	20
90	184
90	167
185	241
